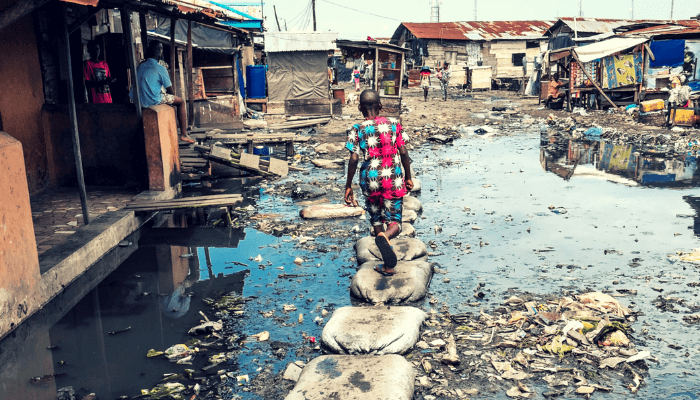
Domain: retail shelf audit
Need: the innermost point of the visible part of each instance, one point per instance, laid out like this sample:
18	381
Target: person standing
356	78
369	74
152	78
425	81
444	76
97	76
385	174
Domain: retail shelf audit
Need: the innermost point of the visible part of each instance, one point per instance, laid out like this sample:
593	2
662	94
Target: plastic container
652	105
255	81
262	151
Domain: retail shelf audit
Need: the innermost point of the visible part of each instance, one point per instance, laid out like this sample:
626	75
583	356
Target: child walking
356	78
385	174
425	81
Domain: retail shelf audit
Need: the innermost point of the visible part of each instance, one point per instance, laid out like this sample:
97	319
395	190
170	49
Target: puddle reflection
618	163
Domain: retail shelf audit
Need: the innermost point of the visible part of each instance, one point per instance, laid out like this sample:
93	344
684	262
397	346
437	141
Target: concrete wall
22	97
111	143
19	261
162	151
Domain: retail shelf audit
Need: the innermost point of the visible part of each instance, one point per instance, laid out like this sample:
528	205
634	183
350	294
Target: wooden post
173	53
580	64
144	33
190	78
129	39
313	6
74	122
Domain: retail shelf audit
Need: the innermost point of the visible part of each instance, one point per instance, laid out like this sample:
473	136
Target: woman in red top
97	76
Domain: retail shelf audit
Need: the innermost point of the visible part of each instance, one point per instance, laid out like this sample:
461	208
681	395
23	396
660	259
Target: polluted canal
517	227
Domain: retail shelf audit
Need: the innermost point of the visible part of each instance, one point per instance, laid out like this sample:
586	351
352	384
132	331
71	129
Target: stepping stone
412	203
410	283
416	185
330	164
327	211
341	377
406	249
409	216
372	330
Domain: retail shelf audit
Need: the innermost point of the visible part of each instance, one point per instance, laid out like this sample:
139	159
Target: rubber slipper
380	268
388	255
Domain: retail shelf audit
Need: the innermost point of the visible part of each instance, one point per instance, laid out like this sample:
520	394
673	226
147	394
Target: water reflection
98	342
618	163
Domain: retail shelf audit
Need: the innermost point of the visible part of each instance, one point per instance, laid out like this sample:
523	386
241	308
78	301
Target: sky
380	18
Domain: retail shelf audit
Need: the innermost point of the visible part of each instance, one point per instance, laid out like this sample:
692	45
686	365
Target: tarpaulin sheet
606	47
297	75
622	70
668	53
202	36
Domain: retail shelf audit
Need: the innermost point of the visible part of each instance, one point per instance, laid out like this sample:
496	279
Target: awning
202	36
607	47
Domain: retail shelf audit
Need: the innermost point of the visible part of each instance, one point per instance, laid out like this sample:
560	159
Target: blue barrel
255	81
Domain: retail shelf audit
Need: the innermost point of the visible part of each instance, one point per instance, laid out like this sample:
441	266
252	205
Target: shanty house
500	44
298	69
572	31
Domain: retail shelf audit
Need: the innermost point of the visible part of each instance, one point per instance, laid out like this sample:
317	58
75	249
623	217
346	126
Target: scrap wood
300	124
189	202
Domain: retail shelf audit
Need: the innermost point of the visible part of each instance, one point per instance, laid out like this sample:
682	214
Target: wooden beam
173	53
580	64
144	33
18	10
190	77
129	42
74	121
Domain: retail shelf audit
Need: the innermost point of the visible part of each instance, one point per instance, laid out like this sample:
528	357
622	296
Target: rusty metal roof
479	30
601	25
677	28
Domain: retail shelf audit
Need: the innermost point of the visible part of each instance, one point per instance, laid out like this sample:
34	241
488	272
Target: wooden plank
186	200
220	152
250	160
278	167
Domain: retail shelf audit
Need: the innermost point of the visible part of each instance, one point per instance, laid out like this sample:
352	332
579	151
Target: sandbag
412	203
416	185
407	230
326	211
388	377
372	330
331	164
409	216
406	249
410	283
306	191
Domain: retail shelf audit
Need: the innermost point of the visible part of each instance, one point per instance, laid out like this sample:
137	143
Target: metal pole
129	39
74	122
671	10
313	6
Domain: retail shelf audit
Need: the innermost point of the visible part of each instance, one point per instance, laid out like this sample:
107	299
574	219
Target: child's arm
406	162
352	167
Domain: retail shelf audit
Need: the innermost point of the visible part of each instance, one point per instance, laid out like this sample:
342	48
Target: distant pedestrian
356	78
425	81
369	74
444	76
385	174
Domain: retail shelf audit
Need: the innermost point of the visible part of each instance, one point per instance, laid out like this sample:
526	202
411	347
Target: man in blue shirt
153	79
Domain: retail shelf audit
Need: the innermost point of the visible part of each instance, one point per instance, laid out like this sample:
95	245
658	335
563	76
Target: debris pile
577	345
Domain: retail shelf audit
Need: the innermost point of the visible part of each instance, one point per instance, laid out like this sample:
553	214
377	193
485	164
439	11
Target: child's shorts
382	211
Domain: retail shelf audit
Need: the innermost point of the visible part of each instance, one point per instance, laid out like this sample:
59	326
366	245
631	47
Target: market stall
388	65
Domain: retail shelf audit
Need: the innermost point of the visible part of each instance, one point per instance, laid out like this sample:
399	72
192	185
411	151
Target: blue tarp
668	53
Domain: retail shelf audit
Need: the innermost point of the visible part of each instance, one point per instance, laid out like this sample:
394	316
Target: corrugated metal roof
677	28
299	41
599	25
479	30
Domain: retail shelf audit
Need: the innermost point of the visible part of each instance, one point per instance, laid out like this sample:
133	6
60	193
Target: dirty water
602	234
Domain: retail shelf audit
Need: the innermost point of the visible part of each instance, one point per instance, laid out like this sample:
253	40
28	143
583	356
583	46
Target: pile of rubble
576	344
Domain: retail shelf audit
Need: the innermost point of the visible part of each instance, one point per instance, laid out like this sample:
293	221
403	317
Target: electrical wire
360	11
